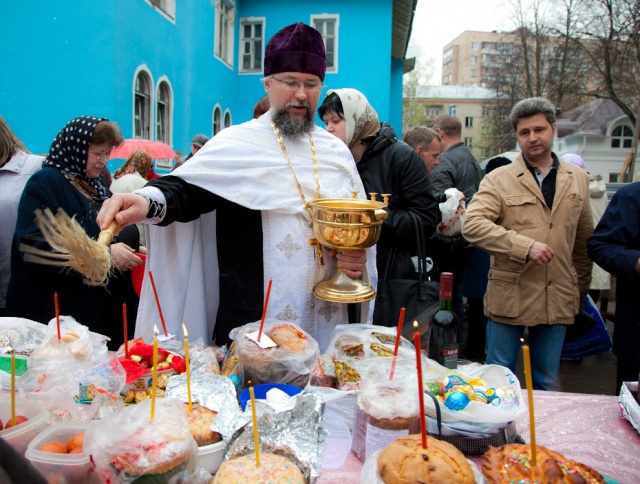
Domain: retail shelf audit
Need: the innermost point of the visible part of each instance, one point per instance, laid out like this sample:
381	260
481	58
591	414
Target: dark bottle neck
446	291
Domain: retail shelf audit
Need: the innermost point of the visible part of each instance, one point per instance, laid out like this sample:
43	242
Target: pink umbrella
157	149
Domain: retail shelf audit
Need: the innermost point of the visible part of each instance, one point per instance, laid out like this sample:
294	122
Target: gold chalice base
343	289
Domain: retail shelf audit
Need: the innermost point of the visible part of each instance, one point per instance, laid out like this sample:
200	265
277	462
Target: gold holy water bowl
347	224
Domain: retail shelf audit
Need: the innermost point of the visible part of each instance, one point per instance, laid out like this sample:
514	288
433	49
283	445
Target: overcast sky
436	24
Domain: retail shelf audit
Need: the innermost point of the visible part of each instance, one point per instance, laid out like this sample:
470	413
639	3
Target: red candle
264	309
155	293
423	422
55	303
126	333
395	350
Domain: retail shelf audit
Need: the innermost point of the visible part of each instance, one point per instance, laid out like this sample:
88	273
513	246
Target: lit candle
154	371
423	422
395	349
126	333
264	309
529	380
188	365
57	309
13	387
256	440
155	294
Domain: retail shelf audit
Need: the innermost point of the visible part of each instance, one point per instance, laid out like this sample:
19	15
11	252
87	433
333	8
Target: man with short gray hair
533	216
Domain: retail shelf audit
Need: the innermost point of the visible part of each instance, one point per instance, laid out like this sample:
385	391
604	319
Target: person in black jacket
385	165
457	169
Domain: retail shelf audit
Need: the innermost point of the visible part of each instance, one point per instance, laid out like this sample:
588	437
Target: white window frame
468	142
225	13
468	121
166	8
474	59
323	18
226	119
216	120
252	45
621	138
474	72
433	110
169	111
452	110
144	71
474	45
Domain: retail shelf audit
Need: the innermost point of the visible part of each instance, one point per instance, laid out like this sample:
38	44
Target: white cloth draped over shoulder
245	165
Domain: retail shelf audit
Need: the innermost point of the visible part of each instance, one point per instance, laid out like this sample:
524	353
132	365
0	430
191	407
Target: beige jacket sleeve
481	225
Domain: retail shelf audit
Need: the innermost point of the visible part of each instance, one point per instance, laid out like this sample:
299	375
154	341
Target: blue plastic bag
594	341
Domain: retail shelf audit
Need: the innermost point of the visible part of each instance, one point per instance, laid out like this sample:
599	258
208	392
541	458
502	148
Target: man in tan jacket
534	218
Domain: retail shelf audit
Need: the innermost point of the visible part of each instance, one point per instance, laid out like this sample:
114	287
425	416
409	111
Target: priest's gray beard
291	125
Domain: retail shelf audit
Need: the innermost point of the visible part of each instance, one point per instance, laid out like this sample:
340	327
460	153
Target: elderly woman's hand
123	257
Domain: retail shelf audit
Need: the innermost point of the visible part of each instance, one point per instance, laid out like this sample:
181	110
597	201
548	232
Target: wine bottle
443	327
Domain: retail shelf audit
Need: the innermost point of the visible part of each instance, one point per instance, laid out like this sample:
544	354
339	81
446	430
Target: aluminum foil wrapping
214	392
22	339
285	432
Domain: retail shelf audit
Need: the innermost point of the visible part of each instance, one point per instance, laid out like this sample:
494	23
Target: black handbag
415	295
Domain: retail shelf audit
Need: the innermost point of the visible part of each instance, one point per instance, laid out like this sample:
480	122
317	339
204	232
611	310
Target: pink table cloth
586	428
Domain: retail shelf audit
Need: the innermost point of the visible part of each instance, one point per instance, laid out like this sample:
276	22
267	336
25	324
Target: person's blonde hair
138	162
10	144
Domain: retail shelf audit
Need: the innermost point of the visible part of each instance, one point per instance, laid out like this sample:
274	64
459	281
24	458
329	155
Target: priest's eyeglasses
294	85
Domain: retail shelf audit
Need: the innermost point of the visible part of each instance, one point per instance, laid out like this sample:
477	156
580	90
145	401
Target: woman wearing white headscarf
385	165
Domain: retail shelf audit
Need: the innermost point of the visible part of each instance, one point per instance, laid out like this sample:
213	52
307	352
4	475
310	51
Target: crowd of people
233	215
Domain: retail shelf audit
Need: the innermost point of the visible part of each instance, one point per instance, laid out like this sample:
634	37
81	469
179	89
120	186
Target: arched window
217	120
142	106
622	137
453	110
227	119
163	113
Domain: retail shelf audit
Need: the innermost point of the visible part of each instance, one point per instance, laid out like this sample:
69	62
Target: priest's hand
352	261
125	208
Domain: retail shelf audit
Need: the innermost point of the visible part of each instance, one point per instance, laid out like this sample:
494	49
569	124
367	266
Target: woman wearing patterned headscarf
70	180
385	165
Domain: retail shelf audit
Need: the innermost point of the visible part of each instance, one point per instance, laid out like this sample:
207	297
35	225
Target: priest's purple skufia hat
296	48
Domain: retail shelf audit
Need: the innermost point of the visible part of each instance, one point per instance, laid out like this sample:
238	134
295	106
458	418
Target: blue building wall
65	59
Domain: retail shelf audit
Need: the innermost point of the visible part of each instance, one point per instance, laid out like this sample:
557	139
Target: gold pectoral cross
318	250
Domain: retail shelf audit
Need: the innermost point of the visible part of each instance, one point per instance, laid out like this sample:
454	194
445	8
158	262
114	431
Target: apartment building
469	103
469	57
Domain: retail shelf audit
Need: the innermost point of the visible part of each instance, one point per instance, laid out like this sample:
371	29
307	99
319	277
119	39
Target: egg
54	446
75	442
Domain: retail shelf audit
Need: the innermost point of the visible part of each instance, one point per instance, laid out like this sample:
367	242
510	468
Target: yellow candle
188	365
529	380
154	371
13	387
256	441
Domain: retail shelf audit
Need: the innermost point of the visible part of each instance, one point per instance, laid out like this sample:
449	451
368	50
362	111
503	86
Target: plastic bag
385	408
354	343
76	341
64	383
477	419
593	341
288	363
127	445
453	211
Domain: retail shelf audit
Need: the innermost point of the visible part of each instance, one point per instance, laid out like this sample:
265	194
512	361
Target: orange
75	441
54	446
